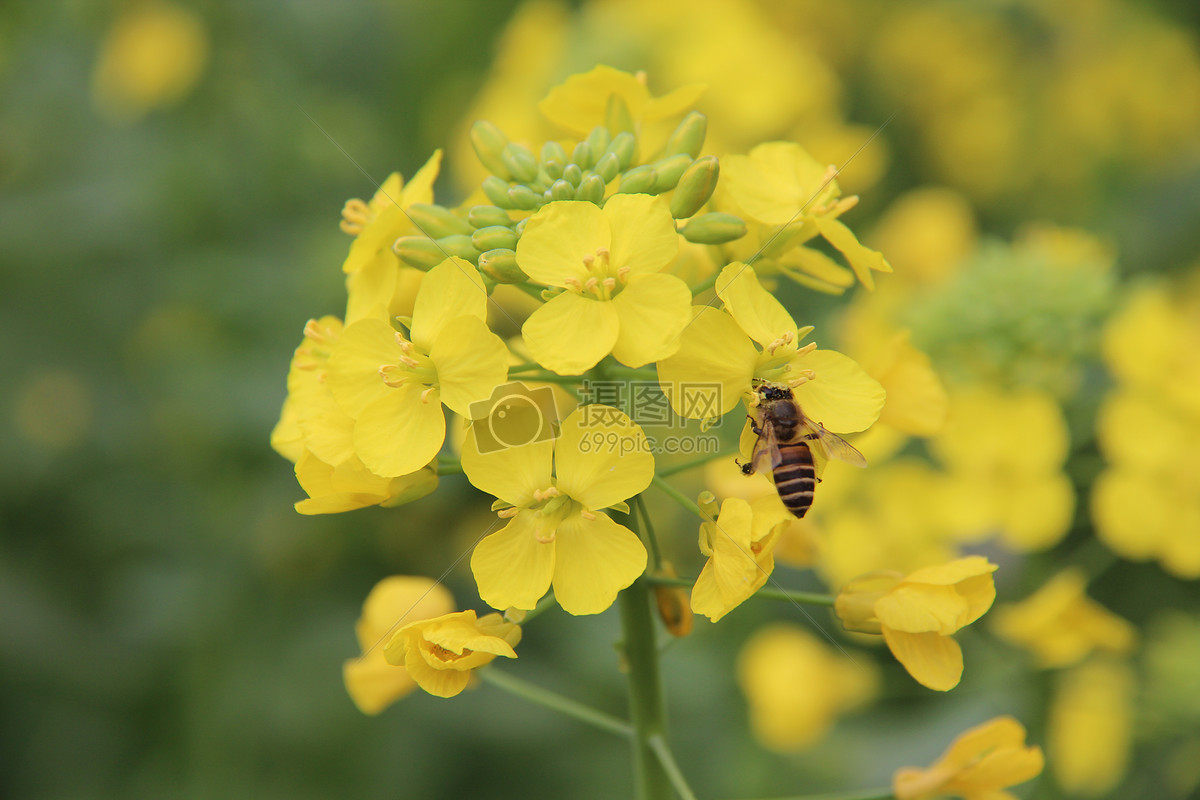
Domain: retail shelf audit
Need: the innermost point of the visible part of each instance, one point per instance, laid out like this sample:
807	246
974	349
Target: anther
610	283
808	348
589	516
508	513
623	274
427	393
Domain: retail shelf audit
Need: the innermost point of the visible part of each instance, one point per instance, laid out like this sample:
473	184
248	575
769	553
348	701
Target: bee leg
754	426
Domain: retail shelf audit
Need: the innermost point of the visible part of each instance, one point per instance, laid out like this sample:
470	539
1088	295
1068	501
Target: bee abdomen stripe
795	484
788	471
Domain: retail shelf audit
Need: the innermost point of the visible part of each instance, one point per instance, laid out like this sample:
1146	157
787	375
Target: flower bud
436	221
458	245
616	115
521	162
572	174
487	216
639	180
714	228
554	159
591	189
493	237
419	251
625	146
489	143
501	266
583	155
669	171
688	136
496	190
608	166
598	140
523	197
695	187
562	190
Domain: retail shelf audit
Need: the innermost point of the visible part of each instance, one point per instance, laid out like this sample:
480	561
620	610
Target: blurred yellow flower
796	686
1061	625
918	613
153	56
377	224
978	765
617	300
553	493
372	682
1091	727
440	653
393	386
740	546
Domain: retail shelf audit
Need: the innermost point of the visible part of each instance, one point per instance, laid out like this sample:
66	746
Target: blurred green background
169	626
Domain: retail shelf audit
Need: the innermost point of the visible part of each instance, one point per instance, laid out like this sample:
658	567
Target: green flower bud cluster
604	163
1016	317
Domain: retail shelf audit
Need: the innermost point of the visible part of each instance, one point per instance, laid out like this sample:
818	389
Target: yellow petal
450	290
843	398
643	233
732	572
952	572
653	311
438	682
400	433
374	684
570	334
775	182
419	188
714	365
511	567
580	102
862	259
353	375
602	457
558	237
758	313
512	474
922	608
933	660
398	600
470	360
595	559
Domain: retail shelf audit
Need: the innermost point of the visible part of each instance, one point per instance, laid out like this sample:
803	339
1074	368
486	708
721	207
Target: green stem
646	708
631	374
667	759
705	285
544	376
549	699
449	466
699	461
655	553
679	497
543	604
807	598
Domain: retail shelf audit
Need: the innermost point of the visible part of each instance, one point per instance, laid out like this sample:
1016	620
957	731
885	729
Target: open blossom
616	298
393	386
372	682
557	532
978	765
918	613
440	653
754	337
740	546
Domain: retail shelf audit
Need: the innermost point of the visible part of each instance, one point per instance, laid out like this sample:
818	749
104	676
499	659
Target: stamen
588	260
409	361
808	348
394	376
425	394
588	515
610	283
356	215
846	203
508	513
573	283
806	375
623	274
545	494
591	285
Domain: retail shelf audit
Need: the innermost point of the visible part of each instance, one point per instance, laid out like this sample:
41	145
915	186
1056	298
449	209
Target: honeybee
785	439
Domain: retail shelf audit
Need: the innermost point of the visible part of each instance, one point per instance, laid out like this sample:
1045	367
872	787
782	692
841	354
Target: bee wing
834	446
766	456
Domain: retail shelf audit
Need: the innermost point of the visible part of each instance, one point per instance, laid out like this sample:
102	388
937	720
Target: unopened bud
459	245
639	180
598	140
554	159
418	251
436	221
573	174
695	187
494	237
521	162
489	143
487	216
561	190
501	266
591	189
496	190
608	166
583	155
625	147
523	197
688	136
714	228
670	170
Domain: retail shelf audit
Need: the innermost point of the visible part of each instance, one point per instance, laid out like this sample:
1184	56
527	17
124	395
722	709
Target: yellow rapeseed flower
978	765
740	546
796	686
372	682
393	385
610	263
918	613
440	653
1061	625
1091	727
722	353
554	493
